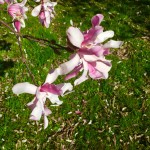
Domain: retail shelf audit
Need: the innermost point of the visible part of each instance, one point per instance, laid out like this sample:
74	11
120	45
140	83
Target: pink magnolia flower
17	12
47	90
91	52
45	12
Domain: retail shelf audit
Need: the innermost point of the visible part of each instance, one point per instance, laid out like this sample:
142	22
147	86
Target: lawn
115	113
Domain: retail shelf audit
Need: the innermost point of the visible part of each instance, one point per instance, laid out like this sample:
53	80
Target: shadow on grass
4	65
4	45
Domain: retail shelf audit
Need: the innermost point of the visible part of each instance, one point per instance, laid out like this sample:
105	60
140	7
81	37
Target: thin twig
11	29
18	36
29	37
51	43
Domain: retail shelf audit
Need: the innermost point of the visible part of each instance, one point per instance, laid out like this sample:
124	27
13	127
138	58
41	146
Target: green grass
118	107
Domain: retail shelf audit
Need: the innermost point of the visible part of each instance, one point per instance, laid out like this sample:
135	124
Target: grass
115	112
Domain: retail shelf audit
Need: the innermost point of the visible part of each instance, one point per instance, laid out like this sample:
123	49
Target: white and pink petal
74	73
103	68
45	122
51	88
52	76
104	36
96	20
36	113
93	73
54	99
65	87
113	44
24	87
35	12
68	66
75	36
84	76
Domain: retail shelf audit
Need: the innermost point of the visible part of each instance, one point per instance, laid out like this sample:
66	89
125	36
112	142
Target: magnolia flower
47	90
17	12
45	12
91	52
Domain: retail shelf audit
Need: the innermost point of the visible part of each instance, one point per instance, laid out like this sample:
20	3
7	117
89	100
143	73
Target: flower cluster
45	12
91	50
47	90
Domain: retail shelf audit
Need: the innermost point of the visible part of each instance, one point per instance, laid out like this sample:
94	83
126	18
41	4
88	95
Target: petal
52	76
35	12
54	3
51	88
42	16
41	96
33	103
91	35
22	3
45	122
36	113
97	51
17	25
13	9
84	74
22	23
25	87
75	36
91	58
96	20
25	9
46	24
103	68
74	73
93	73
47	111
54	99
68	66
104	36
113	44
47	15
63	69
65	87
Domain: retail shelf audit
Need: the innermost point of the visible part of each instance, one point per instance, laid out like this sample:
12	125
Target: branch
50	43
10	28
18	36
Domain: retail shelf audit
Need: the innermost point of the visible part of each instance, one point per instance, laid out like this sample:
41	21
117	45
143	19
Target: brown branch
51	43
10	28
18	36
